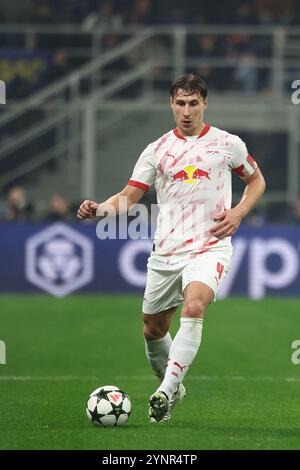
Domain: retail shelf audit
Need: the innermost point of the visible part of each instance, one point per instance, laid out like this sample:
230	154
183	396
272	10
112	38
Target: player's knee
153	331
193	309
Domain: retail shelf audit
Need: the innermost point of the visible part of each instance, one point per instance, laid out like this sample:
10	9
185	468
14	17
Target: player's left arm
228	221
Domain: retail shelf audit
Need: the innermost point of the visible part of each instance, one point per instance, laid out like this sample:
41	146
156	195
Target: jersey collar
204	131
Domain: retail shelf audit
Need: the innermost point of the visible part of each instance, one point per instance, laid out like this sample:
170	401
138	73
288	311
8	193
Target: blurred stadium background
86	90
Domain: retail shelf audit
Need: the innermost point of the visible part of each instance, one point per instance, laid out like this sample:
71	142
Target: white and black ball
108	406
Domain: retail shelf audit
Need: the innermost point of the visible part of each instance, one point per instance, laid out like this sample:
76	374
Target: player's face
188	112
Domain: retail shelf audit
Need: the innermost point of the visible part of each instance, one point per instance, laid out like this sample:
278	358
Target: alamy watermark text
295	98
295	358
134	222
2	92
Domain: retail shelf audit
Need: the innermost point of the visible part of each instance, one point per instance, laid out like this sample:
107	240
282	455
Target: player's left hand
228	223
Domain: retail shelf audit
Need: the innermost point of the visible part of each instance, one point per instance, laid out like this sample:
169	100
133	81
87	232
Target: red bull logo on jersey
190	174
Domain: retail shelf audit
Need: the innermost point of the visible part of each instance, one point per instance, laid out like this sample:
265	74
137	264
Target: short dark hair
190	83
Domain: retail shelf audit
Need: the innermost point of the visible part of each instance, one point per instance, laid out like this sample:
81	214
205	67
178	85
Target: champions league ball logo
59	260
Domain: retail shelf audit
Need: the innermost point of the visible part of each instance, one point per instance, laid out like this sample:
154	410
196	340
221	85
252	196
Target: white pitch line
148	377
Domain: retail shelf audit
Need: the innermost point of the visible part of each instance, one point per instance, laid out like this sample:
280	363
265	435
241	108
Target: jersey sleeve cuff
247	169
137	184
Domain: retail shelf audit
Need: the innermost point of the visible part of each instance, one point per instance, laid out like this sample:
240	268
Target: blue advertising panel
22	70
60	259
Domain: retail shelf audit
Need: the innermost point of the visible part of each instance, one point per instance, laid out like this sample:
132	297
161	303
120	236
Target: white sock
157	352
182	353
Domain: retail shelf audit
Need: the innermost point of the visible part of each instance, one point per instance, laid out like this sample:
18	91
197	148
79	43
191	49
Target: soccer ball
108	406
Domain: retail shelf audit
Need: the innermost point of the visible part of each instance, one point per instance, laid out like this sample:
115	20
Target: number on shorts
220	269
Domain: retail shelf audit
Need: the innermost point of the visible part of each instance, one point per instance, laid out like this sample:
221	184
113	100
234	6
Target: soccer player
191	168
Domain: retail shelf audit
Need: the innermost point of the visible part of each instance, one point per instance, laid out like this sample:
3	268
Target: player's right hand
87	210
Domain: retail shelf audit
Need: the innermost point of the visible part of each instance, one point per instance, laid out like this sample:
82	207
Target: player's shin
157	352
182	353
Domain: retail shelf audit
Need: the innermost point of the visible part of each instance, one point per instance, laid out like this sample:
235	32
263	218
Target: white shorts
166	282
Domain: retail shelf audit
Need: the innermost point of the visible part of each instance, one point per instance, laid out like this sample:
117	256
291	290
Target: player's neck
191	132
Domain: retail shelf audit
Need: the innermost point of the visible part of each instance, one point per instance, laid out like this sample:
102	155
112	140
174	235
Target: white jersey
192	177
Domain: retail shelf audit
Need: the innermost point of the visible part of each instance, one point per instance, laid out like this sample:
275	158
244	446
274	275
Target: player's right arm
143	176
117	204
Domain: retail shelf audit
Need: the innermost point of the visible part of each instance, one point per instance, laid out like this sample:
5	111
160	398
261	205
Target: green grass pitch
243	390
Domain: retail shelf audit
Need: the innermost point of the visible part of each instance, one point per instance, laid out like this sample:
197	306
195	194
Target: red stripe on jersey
204	131
178	135
239	171
212	243
205	250
137	184
252	162
199	253
182	245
